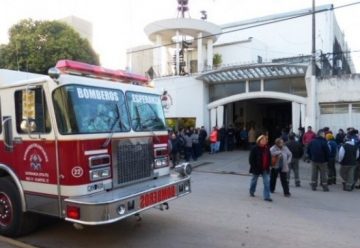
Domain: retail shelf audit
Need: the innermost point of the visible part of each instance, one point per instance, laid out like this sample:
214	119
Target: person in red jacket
213	140
307	138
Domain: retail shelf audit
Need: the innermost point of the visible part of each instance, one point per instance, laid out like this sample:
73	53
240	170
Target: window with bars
334	108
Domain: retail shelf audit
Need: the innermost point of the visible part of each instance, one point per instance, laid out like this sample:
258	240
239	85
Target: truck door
34	148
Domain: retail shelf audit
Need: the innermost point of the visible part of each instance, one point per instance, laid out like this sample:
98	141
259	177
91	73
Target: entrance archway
266	110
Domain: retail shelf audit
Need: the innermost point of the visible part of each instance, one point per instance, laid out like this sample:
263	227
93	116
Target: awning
253	72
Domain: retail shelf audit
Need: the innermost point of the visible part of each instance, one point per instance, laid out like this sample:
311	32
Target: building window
336	108
355	108
277	85
219	91
254	86
295	86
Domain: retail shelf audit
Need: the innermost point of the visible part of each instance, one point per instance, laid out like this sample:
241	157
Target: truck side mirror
8	135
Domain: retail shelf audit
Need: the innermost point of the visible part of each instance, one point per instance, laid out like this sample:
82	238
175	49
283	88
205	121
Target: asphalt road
220	213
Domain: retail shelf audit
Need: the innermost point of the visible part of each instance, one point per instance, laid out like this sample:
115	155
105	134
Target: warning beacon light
84	69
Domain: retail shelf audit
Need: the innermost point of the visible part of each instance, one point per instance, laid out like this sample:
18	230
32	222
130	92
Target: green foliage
36	46
217	59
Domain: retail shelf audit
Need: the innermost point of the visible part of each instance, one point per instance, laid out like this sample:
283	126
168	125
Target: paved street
219	213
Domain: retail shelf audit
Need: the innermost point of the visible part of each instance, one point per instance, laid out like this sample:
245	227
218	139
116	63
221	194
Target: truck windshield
84	110
146	112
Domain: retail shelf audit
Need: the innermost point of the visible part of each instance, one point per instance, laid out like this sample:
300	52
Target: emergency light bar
75	67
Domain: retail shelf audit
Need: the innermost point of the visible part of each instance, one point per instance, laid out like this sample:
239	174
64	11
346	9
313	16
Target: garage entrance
265	115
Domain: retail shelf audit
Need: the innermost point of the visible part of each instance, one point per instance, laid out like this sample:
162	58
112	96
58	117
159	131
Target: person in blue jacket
318	151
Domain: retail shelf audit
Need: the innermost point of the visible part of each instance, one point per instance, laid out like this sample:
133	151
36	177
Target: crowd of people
190	143
280	157
187	143
322	149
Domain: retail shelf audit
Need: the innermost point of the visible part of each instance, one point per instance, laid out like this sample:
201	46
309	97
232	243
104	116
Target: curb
15	242
197	164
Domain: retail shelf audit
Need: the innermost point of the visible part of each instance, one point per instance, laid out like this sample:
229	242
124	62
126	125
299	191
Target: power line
253	26
347	5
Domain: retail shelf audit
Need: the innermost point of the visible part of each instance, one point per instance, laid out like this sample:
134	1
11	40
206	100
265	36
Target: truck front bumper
111	206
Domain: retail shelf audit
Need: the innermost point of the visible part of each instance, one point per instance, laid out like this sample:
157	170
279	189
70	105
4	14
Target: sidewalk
237	162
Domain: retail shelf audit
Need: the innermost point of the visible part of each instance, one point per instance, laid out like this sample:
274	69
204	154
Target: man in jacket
331	163
260	160
306	140
174	146
230	138
297	151
348	154
340	137
244	139
222	138
318	151
202	137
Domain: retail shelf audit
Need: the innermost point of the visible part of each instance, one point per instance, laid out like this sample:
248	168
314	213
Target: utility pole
313	86
313	50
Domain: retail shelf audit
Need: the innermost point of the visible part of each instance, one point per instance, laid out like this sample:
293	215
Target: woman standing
282	157
260	160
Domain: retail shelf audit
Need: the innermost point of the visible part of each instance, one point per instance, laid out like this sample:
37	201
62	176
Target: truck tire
13	221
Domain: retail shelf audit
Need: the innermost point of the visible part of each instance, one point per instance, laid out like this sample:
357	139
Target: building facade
83	27
254	72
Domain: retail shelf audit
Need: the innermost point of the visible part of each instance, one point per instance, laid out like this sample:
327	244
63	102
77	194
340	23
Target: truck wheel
13	221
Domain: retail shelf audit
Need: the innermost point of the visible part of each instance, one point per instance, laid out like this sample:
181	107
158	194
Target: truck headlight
99	174
160	162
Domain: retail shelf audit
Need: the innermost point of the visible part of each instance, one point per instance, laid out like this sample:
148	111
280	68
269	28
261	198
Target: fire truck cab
86	144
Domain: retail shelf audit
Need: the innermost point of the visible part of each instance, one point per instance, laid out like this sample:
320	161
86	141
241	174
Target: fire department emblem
36	156
35	162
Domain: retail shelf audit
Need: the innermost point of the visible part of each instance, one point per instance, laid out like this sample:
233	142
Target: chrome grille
134	160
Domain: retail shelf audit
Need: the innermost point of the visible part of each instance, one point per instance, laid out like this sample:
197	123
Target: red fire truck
86	144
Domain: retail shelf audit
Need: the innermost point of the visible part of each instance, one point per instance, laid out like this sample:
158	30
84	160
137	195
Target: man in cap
260	161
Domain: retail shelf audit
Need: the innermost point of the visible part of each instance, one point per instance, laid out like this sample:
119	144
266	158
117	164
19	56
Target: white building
83	27
264	79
